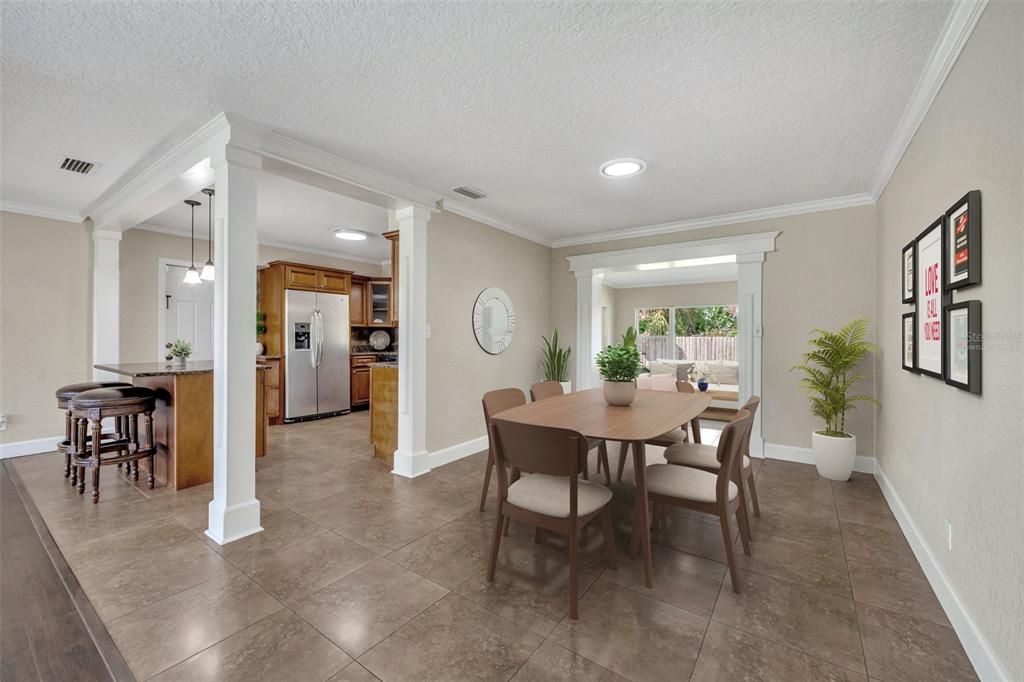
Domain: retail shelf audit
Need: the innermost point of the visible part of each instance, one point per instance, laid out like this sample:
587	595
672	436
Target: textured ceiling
290	213
735	106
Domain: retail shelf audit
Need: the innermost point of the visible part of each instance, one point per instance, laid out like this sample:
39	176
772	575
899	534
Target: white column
106	301
748	291
588	328
411	456
234	512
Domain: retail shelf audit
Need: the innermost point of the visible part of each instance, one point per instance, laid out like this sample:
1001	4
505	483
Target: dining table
651	414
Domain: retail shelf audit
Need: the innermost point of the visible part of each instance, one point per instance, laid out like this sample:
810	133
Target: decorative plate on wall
380	339
494	320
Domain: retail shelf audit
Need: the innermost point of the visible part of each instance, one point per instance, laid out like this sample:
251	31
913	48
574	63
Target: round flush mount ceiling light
350	235
622	168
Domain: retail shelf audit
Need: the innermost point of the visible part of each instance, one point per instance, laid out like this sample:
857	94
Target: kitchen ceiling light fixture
192	275
207	272
623	167
350	235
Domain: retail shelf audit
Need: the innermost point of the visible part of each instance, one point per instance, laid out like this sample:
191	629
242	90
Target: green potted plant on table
556	362
261	329
829	370
178	352
619	366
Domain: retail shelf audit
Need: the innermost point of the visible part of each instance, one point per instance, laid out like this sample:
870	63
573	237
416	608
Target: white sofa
727	377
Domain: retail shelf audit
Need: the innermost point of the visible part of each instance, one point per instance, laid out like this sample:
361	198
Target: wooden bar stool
125	404
65	394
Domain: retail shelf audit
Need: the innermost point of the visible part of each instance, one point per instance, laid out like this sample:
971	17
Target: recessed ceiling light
350	235
622	168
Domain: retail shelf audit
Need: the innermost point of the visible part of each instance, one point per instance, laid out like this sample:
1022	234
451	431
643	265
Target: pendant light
192	275
207	273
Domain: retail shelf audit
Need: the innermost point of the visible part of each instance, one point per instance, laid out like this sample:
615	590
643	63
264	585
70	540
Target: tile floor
360	575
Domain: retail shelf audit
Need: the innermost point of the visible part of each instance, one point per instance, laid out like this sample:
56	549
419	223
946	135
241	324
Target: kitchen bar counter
384	409
183	421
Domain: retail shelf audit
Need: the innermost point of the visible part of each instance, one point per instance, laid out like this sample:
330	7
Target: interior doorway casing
749	250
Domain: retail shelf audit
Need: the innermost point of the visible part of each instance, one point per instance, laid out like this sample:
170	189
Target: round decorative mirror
494	320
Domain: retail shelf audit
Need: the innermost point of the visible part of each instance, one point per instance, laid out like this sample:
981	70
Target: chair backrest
545	389
538	449
751	407
498	401
684	387
730	448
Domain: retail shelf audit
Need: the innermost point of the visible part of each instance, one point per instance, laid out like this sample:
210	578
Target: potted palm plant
829	370
619	366
556	362
179	351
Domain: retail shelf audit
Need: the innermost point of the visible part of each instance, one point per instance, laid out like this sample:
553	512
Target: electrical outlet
3	422
428	331
949	535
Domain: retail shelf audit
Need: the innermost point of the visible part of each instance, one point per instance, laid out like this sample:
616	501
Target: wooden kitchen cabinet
378	303
309	278
296	277
360	380
334	281
357	302
272	379
393	238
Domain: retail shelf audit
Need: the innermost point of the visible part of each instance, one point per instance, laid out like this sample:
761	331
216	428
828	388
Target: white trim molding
983	657
815	206
458	451
466	211
793	453
41	211
29	447
959	25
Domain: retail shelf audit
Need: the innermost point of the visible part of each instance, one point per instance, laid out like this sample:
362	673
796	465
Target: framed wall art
928	279
963	345
963	242
909	345
907	269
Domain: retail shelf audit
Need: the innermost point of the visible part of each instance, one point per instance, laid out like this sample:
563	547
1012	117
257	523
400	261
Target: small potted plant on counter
829	374
619	366
261	329
556	362
701	374
178	352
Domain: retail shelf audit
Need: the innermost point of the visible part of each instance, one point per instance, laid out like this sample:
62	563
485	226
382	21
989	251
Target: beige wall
464	257
822	274
141	251
949	454
676	295
45	320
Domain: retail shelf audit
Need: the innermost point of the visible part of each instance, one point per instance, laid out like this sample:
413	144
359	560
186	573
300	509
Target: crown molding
816	206
459	207
959	25
588	264
41	211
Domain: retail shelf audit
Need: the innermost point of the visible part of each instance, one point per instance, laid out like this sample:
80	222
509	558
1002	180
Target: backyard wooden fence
687	347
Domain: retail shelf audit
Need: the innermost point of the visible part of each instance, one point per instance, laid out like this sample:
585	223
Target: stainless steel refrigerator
316	355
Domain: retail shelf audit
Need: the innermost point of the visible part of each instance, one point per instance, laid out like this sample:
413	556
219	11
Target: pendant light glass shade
192	275
207	272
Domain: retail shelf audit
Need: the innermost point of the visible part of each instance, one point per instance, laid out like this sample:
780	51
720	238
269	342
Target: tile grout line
853	595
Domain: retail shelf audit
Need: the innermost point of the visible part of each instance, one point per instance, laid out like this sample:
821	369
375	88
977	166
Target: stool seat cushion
71	390
114	396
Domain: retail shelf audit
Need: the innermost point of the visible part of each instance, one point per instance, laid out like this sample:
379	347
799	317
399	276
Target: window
698	333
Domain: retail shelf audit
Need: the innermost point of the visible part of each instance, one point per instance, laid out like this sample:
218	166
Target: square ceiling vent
77	165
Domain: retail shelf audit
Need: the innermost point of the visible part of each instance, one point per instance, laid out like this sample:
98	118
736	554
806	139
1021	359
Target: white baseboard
792	453
457	451
984	659
29	447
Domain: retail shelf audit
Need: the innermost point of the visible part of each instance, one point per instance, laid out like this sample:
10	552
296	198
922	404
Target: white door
188	312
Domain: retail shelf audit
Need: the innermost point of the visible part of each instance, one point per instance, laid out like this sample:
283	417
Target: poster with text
929	300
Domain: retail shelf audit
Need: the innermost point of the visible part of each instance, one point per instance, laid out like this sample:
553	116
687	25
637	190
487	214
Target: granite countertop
159	369
268	357
156	369
384	364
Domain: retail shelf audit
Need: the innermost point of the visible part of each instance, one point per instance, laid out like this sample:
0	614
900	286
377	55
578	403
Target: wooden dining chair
667	439
495	402
704	457
552	496
711	493
552	389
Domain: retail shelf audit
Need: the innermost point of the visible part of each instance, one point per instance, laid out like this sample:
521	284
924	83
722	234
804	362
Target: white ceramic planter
566	386
178	361
833	456
619	393
259	348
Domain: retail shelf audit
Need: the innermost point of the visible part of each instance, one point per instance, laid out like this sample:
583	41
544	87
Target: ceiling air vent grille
77	166
469	192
